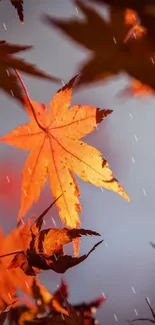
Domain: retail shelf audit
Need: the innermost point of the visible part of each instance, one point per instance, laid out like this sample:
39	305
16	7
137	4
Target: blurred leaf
114	50
8	81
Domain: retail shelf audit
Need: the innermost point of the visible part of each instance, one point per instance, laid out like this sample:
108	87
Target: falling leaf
80	314
43	249
113	50
56	151
136	88
8	81
34	263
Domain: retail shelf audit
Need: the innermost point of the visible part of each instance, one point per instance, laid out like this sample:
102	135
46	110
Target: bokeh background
123	268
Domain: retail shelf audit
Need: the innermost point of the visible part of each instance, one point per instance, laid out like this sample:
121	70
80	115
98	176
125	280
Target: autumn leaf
75	318
45	313
32	264
61	263
145	10
13	279
146	319
40	250
8	81
113	50
18	5
131	17
152	244
136	88
44	250
56	151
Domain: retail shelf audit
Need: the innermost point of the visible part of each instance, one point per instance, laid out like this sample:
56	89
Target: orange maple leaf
137	88
131	17
13	279
56	151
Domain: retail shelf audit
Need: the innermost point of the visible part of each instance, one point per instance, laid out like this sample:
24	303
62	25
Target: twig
152	311
28	98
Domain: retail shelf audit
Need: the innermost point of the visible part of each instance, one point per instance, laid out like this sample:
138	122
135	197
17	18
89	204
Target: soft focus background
123	268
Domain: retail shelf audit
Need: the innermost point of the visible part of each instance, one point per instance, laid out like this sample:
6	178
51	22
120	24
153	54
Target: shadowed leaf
114	50
8	81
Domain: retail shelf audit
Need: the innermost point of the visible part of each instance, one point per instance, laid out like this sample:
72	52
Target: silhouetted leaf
8	63
18	5
113	51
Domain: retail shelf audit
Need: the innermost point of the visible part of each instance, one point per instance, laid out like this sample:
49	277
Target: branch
152	311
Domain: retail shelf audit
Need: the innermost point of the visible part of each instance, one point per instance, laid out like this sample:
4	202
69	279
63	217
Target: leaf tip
101	114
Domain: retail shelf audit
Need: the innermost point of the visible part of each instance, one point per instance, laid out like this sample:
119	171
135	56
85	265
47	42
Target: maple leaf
145	10
136	88
33	263
113	50
18	5
81	314
56	151
72	314
8	81
61	292
43	249
146	319
5	312
13	279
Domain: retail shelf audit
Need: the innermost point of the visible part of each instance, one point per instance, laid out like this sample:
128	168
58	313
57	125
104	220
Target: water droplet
93	310
63	83
4	26
133	160
136	139
133	289
26	284
8	180
114	39
116	319
7	72
25	193
135	310
144	191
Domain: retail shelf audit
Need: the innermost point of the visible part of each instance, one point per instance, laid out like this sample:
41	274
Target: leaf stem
28	98
13	253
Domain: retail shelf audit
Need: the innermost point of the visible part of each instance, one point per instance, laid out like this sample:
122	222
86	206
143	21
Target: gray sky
126	140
